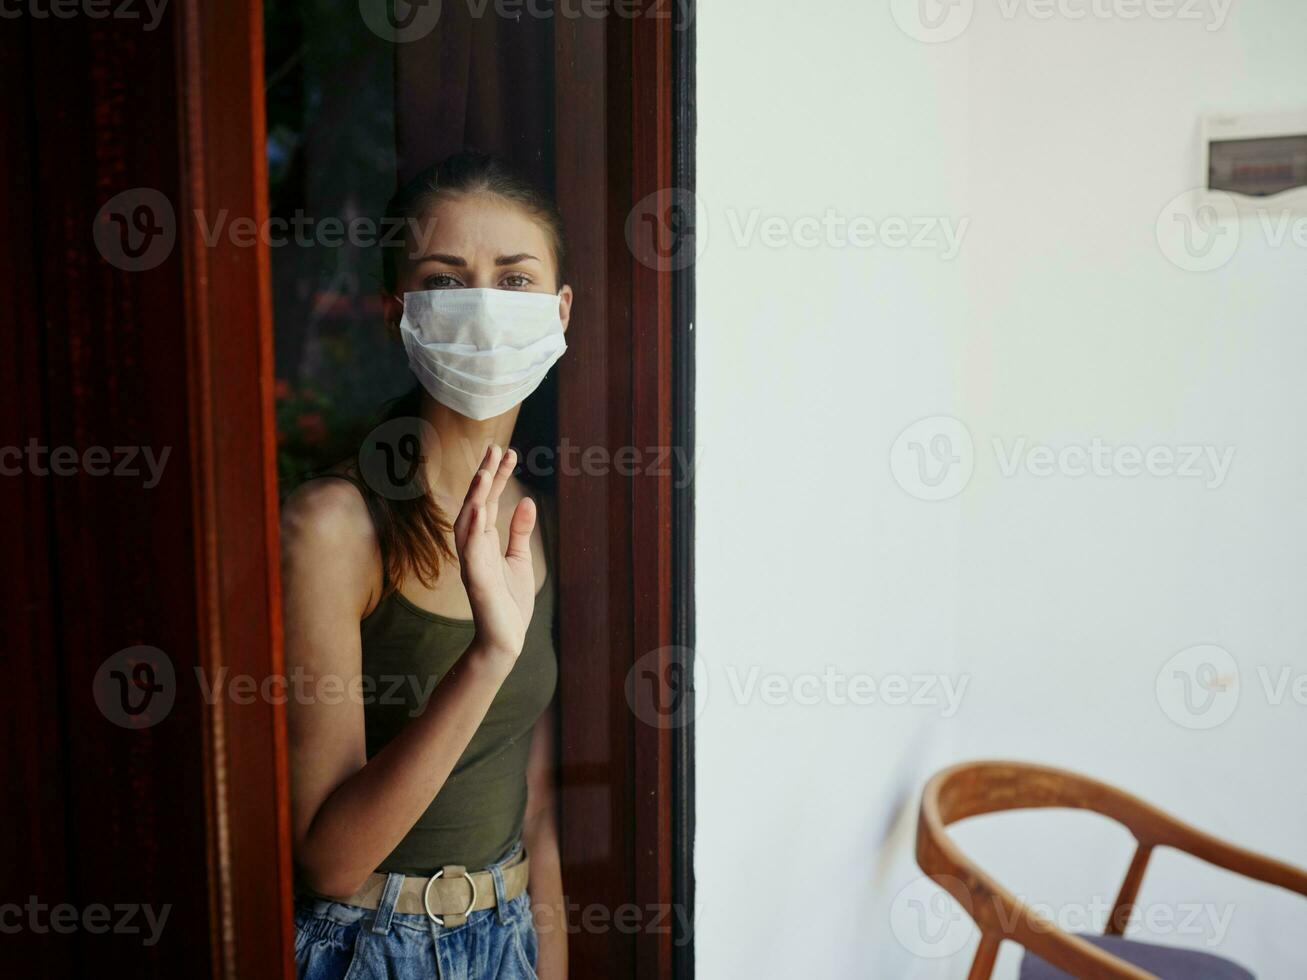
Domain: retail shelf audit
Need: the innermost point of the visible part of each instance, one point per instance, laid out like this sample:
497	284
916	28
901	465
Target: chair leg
1125	899
983	965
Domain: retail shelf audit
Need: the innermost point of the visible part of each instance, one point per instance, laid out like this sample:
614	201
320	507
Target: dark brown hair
412	531
470	173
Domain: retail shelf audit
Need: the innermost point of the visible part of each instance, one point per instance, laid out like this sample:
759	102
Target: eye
441	280
515	280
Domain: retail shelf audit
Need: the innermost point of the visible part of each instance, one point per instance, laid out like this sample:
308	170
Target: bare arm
347	811
540	837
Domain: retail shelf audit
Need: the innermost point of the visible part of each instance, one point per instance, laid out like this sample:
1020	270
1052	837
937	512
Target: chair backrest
976	788
973	789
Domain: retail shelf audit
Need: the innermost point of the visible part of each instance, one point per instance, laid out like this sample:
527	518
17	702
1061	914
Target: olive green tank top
477	816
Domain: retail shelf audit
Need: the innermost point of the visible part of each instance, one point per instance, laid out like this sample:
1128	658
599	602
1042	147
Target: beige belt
449	895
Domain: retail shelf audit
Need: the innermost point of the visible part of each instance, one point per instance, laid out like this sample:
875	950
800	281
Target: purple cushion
1167	962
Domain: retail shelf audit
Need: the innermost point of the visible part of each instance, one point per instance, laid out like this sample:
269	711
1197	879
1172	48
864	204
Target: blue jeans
334	941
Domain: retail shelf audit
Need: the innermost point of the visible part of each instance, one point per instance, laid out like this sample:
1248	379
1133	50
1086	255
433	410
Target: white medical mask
481	351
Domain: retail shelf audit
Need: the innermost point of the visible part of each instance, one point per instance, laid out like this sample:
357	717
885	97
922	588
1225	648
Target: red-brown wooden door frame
620	779
232	376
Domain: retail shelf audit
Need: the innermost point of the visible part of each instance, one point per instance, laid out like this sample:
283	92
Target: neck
462	444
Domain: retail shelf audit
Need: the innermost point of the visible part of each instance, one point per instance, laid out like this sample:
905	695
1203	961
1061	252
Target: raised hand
500	582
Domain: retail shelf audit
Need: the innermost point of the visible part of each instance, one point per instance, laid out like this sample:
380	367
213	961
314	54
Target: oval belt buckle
426	896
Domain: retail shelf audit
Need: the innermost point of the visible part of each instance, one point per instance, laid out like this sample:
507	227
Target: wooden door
136	328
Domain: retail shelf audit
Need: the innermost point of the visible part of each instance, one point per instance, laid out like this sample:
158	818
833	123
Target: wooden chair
976	788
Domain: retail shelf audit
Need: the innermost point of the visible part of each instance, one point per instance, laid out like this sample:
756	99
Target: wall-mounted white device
1258	159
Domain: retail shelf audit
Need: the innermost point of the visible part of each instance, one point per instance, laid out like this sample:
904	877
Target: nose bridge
482	273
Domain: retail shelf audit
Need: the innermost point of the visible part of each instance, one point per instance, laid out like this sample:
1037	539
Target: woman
421	764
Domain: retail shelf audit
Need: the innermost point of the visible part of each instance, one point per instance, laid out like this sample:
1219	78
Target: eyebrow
460	262
457	260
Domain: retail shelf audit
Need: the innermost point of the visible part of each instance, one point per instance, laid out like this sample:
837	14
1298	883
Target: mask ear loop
394	324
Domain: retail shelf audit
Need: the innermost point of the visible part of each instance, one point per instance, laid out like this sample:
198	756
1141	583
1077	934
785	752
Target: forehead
480	227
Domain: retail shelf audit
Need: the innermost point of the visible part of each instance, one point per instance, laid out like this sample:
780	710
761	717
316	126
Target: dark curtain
484	83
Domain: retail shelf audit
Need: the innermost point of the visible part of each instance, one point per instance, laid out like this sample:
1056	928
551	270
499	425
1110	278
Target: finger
474	483
519	530
477	489
504	471
489	468
467	543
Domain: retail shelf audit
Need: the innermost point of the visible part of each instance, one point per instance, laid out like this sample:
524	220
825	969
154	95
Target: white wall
1055	599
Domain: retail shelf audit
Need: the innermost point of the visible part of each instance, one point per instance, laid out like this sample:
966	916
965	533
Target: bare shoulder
328	510
328	540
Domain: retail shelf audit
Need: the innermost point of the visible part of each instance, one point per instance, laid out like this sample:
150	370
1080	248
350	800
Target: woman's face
477	241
